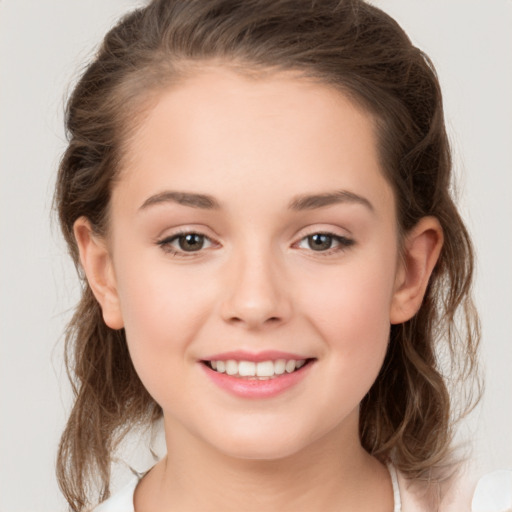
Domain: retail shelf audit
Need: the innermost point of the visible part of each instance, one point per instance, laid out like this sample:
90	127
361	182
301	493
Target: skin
255	146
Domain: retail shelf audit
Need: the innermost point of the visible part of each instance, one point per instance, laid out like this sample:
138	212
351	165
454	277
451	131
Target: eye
325	242
183	243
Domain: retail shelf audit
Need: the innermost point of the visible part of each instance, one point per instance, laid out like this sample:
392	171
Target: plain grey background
43	45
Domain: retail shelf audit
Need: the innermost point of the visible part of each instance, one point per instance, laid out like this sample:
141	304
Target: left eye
324	241
186	242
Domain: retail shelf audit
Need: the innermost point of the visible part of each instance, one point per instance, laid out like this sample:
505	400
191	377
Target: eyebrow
202	201
311	202
298	203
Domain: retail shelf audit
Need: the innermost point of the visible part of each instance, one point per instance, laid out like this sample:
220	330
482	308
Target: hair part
408	414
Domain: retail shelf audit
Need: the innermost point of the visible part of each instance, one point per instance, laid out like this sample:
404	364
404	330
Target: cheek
157	296
163	310
351	297
352	318
350	309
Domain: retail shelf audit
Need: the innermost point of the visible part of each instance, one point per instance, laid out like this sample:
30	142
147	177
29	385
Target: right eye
183	243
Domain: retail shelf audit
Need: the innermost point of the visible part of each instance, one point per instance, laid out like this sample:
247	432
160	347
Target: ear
97	264
421	251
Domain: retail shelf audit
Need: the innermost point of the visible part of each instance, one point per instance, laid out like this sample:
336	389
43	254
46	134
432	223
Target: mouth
261	370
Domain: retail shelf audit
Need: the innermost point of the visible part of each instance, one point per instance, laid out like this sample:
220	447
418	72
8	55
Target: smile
262	370
257	376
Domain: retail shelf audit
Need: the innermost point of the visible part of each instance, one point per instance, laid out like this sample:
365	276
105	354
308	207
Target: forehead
220	130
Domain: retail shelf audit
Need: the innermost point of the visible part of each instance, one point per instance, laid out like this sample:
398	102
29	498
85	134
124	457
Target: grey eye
325	242
185	243
320	241
191	242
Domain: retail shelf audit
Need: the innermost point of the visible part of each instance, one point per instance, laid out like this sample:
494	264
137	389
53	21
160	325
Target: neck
333	473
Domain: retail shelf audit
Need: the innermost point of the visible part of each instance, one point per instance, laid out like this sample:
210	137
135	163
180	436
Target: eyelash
342	244
166	242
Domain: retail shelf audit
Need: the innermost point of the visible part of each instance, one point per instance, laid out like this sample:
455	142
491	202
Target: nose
257	295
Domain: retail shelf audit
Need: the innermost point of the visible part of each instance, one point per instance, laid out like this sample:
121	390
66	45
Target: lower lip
254	388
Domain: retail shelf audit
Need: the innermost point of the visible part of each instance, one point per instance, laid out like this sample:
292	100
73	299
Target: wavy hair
409	413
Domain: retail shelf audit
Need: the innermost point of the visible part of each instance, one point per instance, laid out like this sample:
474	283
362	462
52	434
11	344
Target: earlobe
422	248
97	264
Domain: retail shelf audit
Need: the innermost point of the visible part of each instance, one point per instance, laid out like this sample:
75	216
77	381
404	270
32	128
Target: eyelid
165	241
344	242
324	229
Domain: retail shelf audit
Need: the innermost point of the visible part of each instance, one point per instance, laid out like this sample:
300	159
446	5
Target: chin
265	444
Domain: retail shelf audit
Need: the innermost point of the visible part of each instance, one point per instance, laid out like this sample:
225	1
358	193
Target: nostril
272	319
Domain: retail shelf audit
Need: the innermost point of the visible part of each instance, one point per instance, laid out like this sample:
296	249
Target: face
254	251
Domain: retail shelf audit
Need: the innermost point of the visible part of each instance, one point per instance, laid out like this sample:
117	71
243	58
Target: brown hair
407	415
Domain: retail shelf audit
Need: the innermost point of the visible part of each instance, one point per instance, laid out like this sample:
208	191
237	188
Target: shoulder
465	492
493	492
122	501
420	496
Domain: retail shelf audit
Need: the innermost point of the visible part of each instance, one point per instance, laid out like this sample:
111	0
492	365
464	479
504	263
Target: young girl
257	195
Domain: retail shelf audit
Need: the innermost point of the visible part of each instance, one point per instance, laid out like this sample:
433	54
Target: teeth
265	369
246	369
262	371
279	366
290	366
231	367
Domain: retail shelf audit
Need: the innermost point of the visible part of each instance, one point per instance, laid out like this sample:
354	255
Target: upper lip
266	355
